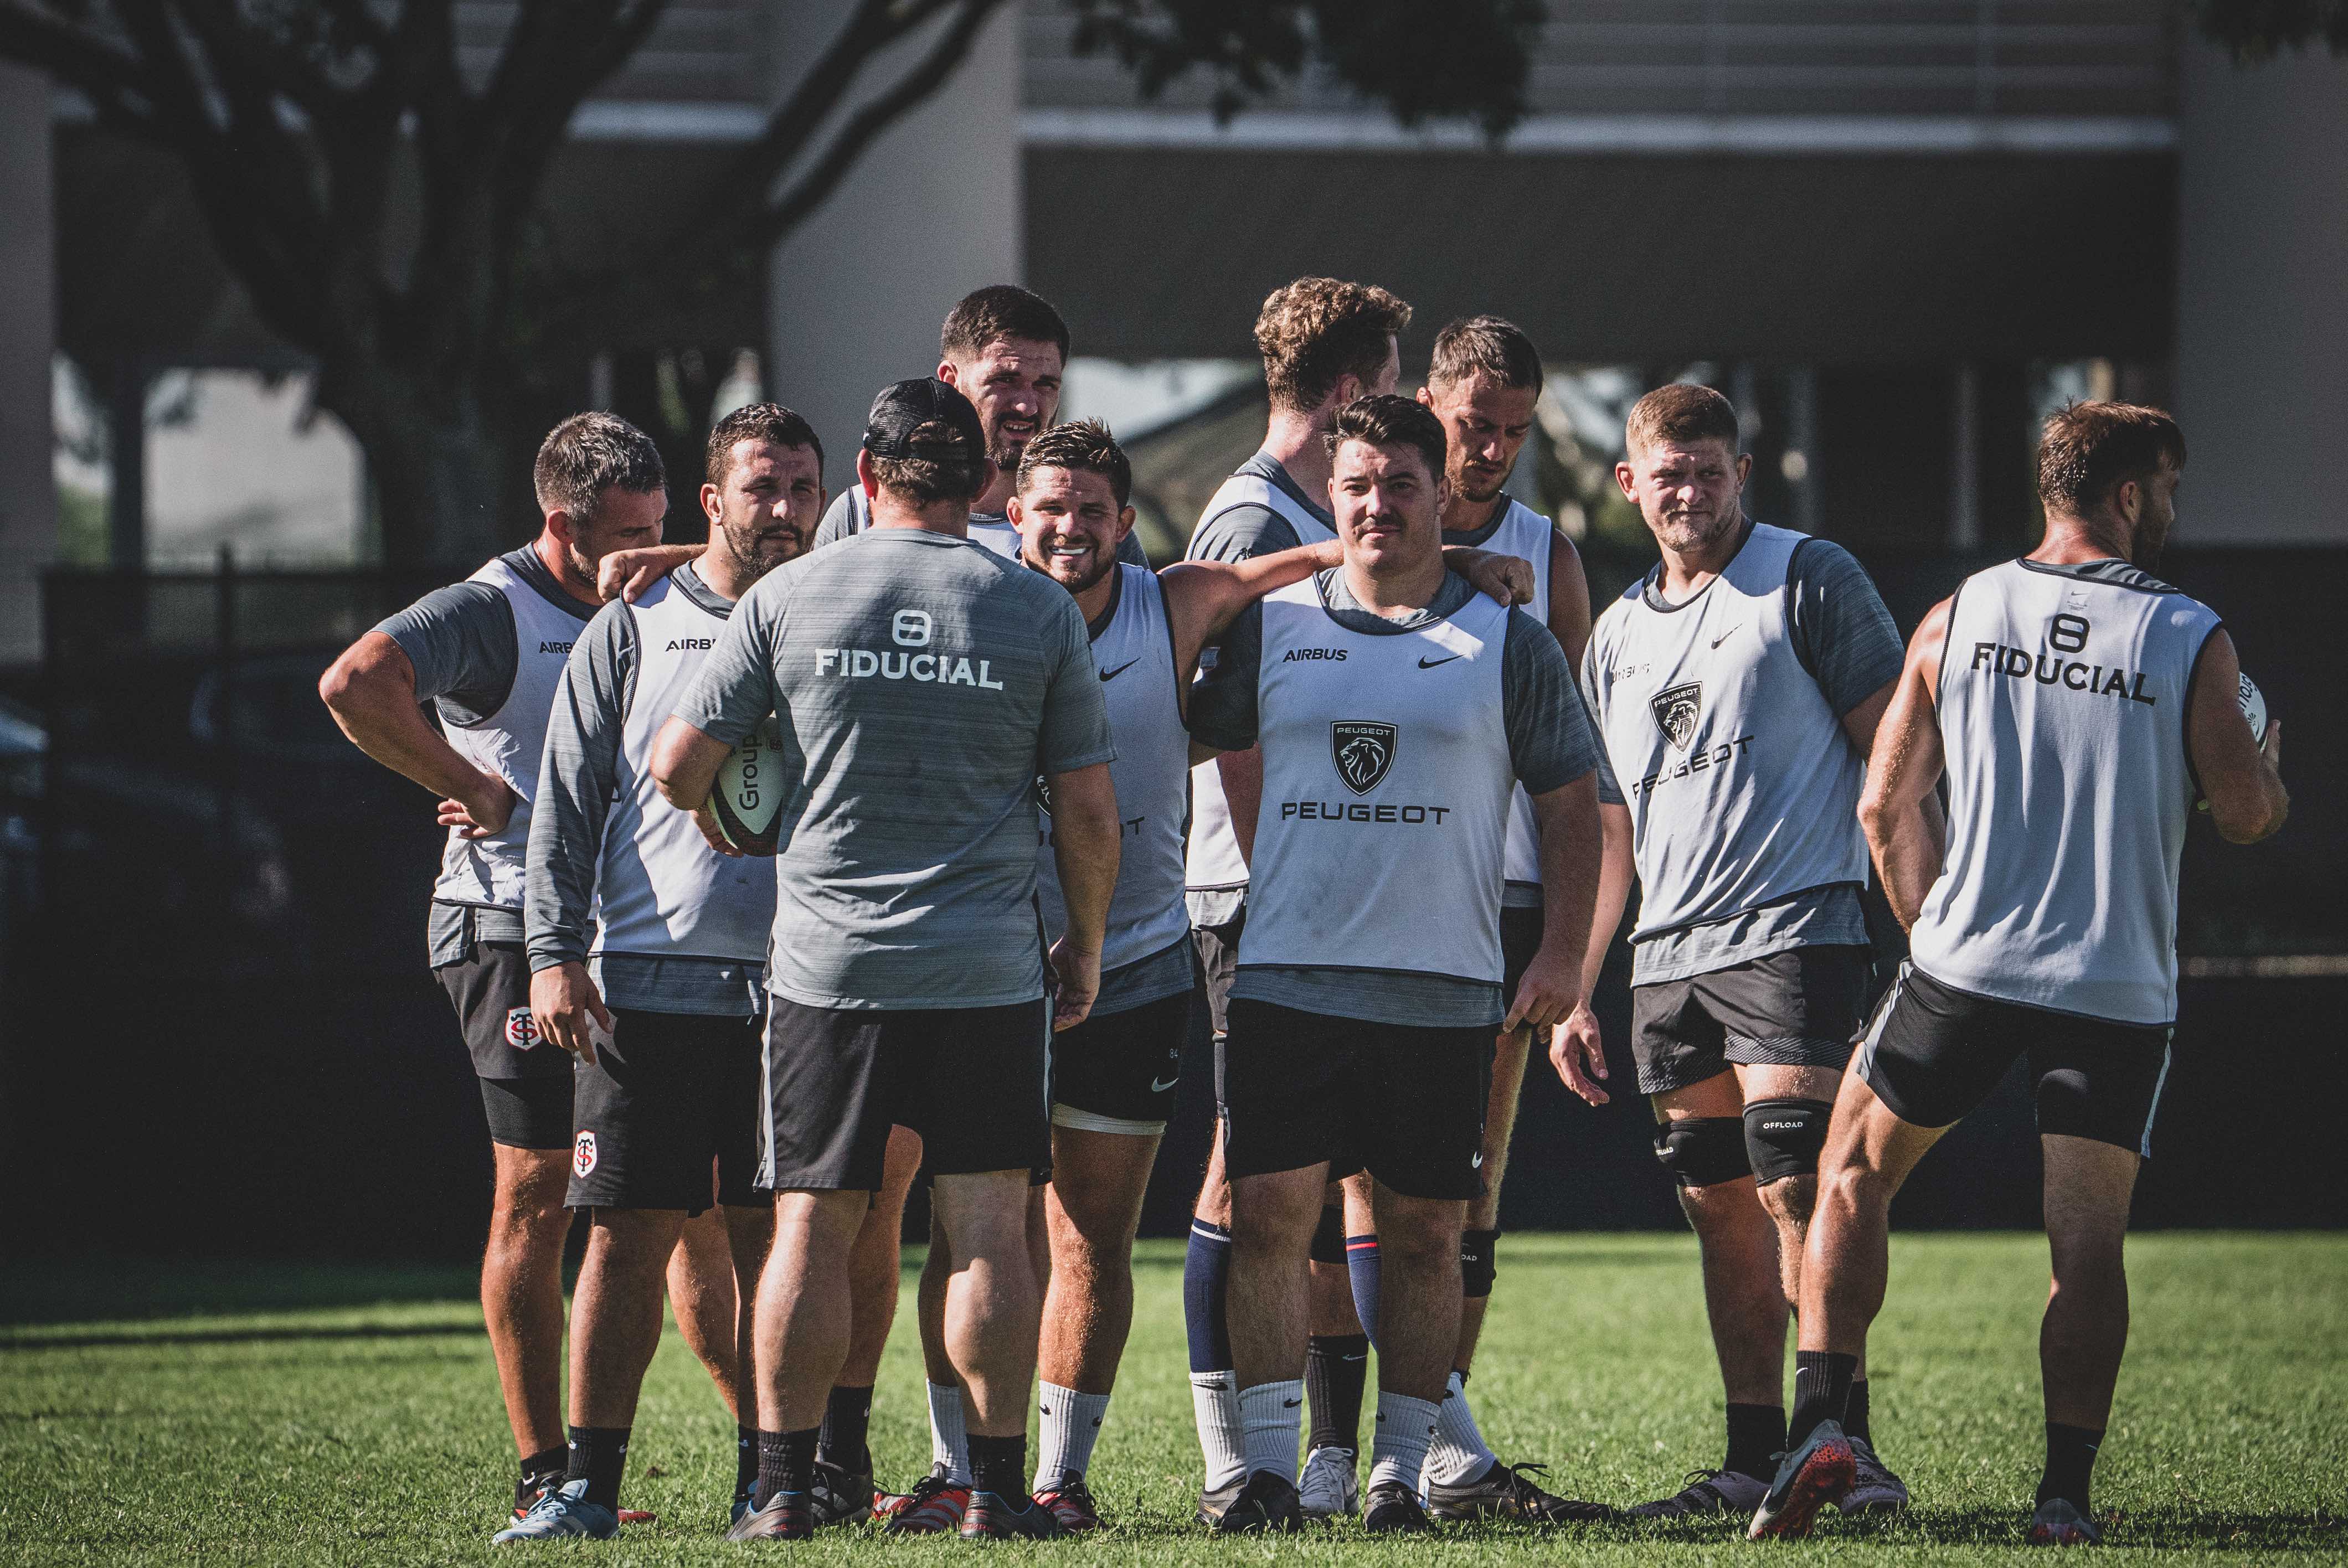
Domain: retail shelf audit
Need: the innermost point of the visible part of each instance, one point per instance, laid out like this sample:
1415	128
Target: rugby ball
747	798
2254	709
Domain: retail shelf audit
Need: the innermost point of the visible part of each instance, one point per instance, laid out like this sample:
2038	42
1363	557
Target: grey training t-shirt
1847	641
921	682
460	640
849	513
1550	744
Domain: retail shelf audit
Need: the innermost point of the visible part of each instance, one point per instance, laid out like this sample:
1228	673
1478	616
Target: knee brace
1699	1150
1329	1235
1783	1137
1478	1262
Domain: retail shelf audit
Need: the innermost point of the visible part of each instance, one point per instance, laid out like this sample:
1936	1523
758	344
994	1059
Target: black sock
999	1465
1336	1366
2070	1461
785	1464
846	1416
745	1460
545	1465
598	1455
1821	1391
1756	1436
1854	1412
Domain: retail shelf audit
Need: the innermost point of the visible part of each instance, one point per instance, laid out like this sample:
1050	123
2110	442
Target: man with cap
921	683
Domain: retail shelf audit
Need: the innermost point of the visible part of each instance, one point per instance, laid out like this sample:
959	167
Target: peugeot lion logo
1363	752
1676	712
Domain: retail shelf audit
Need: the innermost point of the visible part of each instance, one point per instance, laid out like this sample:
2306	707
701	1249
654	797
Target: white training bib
660	890
1215	864
1526	534
489	871
1742	784
1386	778
2062	706
1135	656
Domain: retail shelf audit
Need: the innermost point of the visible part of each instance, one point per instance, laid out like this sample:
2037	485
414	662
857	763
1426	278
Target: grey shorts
1801	1007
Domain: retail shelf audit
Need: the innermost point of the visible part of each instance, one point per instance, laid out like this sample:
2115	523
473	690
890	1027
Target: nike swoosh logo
1113	674
1477	1163
1159	1086
1727	634
1431	663
1290	1404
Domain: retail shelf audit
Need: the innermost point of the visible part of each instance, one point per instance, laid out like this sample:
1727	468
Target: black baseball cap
905	406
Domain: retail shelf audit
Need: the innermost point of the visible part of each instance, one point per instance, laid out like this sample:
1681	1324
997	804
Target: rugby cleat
786	1517
990	1517
1508	1492
1707	1493
1263	1502
1818	1472
1330	1488
529	1499
839	1497
1875	1490
2057	1523
1391	1509
935	1506
560	1513
1071	1503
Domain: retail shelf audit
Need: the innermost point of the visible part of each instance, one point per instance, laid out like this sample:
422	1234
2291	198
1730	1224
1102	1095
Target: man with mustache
647	949
1737	690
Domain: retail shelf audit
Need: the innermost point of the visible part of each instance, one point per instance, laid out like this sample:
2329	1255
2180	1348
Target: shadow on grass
67	1340
2220	1530
78	1290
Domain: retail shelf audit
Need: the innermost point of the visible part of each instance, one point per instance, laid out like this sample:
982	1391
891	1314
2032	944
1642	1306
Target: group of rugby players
1335	771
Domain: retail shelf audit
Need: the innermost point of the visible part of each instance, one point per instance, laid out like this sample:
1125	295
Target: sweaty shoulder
1241	531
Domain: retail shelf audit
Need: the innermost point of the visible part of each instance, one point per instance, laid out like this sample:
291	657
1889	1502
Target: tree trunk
442	464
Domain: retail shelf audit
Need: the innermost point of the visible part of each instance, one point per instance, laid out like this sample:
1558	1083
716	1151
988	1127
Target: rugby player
1482	383
1007	350
922	682
1737	689
488	652
1324	342
1113	1076
1397	713
642	931
2078	704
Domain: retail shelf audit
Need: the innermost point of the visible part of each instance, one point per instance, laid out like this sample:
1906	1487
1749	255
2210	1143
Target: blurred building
1891	230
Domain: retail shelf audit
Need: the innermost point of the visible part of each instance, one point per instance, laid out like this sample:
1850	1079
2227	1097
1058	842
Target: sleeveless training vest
489	871
1383	828
2062	704
1743	786
1134	655
1525	534
1214	862
661	891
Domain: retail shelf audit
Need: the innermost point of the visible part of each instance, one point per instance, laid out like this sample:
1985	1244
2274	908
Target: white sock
1406	1426
1215	1402
1272	1415
1459	1454
1072	1424
949	1445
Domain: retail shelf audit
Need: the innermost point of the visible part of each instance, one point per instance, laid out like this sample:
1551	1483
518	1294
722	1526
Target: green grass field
280	1414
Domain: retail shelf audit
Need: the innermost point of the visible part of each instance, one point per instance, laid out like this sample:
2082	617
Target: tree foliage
2259	29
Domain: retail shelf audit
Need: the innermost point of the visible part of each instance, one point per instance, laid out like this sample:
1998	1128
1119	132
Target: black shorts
489	988
1520	939
669	1092
1119	1072
1218	959
1800	1008
527	1112
969	1081
1406	1104
1932	1053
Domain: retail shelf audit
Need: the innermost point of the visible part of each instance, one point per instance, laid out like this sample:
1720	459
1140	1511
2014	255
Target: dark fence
220	1036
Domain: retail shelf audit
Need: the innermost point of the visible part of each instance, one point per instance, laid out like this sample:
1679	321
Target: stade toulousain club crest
582	1155
521	1029
1363	752
1676	710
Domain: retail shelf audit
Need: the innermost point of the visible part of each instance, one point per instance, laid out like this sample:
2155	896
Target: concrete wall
932	212
29	496
2263	298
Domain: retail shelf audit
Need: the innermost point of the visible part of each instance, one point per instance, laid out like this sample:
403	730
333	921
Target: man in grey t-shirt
921	683
1737	689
